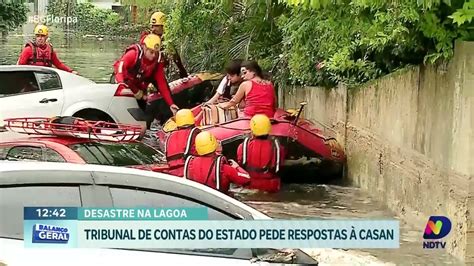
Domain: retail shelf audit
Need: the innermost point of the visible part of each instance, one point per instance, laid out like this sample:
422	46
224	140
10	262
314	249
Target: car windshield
117	154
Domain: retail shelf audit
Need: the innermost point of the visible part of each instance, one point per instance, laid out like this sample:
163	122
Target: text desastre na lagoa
134	214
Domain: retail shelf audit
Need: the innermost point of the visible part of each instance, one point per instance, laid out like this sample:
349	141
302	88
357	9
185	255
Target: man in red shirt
140	66
211	169
261	156
40	53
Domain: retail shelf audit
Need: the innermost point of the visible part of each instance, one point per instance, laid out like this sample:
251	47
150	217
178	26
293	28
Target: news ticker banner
191	228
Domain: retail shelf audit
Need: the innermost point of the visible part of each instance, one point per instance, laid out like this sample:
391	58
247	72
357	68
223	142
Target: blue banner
240	234
189	228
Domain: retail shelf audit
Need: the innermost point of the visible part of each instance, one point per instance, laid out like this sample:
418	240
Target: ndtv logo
437	227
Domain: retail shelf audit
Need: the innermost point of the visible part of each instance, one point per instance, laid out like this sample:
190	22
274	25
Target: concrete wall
409	140
325	107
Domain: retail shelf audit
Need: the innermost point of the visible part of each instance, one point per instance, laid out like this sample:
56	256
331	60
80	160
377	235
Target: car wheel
95	115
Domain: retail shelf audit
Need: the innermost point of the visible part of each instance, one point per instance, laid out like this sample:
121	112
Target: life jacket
40	56
178	145
136	71
206	170
143	35
273	164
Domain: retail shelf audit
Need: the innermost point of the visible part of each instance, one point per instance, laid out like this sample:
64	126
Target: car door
30	94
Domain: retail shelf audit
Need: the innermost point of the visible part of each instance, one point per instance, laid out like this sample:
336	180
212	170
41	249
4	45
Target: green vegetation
92	20
12	15
311	42
209	33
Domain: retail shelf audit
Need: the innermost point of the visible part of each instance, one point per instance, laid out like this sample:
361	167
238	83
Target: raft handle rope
235	128
302	105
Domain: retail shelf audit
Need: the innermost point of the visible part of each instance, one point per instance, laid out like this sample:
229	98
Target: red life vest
260	100
271	165
206	170
41	56
262	169
179	145
137	72
143	36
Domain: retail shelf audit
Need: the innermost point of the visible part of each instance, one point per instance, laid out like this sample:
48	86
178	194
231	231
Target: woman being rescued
258	93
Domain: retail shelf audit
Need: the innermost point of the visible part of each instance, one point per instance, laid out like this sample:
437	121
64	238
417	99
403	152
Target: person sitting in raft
232	79
258	93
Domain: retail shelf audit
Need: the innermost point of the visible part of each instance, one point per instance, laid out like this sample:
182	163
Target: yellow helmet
152	41
170	125
184	117
158	19
41	30
205	143
260	125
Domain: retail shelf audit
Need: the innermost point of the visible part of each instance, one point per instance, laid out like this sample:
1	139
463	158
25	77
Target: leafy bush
359	40
12	15
309	42
92	20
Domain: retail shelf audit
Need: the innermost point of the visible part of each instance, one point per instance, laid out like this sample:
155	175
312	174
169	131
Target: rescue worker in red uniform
211	169
157	23
180	143
40	52
261	156
258	93
140	66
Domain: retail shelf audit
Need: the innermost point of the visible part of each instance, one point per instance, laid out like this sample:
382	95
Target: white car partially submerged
25	184
33	91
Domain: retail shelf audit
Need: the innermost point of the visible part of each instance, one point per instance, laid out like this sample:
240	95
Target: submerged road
313	201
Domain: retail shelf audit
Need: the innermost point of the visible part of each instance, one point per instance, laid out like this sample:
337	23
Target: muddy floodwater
93	58
320	201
